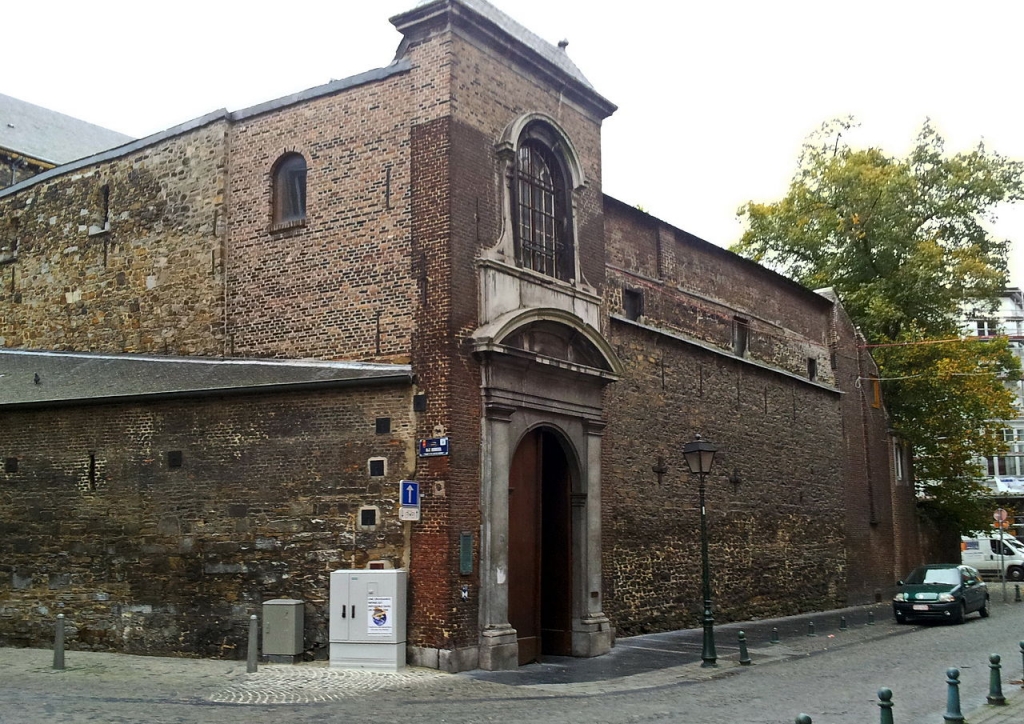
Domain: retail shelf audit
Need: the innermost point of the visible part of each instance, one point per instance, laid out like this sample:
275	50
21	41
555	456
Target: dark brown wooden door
539	592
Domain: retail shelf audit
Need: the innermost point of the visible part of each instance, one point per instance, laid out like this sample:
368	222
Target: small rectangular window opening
369	518
174	459
633	304
92	471
383	425
812	368
105	206
377	467
11	465
740	336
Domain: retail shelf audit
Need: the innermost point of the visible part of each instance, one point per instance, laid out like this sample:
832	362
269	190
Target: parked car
942	592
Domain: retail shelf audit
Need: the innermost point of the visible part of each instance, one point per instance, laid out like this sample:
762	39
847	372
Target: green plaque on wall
466	554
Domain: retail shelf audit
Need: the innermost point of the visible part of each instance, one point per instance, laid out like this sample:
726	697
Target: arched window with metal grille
542	210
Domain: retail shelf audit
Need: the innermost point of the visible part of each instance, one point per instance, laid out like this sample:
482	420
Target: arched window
542	208
289	191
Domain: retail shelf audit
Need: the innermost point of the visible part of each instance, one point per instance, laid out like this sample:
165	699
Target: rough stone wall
147	278
144	558
775	498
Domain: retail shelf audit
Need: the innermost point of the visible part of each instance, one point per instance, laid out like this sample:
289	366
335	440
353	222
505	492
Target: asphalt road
835	681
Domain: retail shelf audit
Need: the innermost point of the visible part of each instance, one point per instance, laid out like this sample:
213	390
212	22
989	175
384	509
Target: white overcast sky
715	98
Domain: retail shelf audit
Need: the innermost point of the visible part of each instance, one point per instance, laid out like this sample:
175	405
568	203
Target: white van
987	552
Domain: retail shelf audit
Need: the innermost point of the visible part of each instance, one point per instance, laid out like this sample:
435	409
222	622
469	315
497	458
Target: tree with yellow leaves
904	243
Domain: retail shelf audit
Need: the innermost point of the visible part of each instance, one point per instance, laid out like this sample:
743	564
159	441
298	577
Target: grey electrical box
367	618
283	619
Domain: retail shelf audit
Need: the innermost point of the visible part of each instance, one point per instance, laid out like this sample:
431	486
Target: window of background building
289	191
986	327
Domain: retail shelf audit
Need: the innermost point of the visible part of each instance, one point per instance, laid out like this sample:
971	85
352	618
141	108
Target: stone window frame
528	138
288	191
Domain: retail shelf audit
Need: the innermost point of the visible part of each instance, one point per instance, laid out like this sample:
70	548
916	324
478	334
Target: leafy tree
903	241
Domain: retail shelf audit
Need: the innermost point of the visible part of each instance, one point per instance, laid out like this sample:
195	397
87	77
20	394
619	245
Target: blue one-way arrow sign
410	493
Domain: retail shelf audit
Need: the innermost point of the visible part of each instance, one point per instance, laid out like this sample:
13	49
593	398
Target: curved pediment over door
550	336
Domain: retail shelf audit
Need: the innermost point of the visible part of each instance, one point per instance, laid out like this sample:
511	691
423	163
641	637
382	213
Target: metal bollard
995	683
803	719
871	618
842	623
775	639
1016	593
1021	644
953	713
251	665
744	656
810	628
885	703
58	643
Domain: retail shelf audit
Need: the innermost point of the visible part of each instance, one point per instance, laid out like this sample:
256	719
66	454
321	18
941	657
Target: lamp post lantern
699	456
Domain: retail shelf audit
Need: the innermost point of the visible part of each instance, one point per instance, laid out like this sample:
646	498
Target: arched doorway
540	547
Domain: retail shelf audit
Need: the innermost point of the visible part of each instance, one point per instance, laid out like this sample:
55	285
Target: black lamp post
699	456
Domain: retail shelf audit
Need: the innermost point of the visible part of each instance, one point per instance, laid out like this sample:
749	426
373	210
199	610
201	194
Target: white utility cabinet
367	619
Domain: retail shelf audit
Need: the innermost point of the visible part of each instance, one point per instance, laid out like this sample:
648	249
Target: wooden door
539	545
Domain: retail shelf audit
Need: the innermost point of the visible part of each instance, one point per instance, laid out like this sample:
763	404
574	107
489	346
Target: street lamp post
699	456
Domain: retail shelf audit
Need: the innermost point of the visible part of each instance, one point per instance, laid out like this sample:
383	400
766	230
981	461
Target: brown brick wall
787	325
431	590
340	286
881	520
142	558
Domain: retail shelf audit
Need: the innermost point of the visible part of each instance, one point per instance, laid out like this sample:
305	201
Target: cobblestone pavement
655	678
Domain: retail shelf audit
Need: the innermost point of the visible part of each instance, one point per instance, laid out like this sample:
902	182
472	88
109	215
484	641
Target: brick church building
222	345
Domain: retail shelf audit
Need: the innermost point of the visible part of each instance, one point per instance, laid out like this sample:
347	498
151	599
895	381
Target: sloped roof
29	378
46	135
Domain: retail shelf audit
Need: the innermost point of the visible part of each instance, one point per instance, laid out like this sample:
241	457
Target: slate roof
49	136
535	46
554	55
76	378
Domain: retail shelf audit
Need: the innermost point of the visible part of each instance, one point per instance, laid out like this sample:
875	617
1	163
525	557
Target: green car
940	592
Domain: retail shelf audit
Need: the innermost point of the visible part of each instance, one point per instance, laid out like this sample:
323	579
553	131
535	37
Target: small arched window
542	210
289	191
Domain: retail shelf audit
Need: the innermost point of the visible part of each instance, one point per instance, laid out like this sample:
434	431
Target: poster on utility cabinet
380	621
